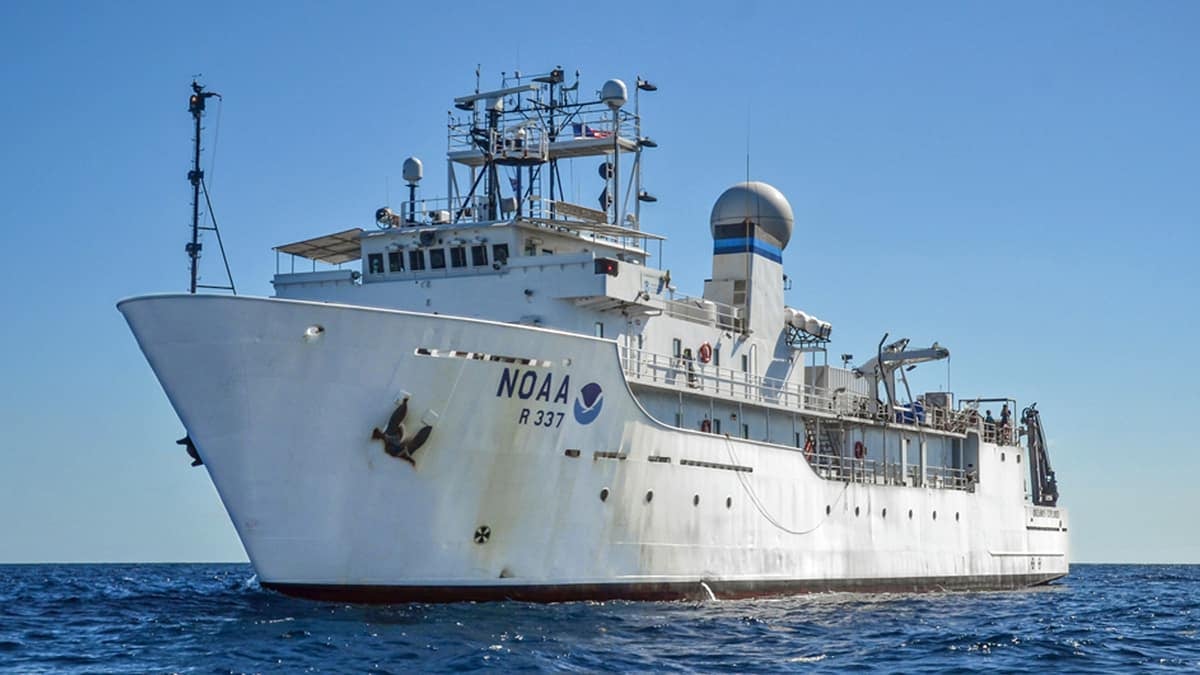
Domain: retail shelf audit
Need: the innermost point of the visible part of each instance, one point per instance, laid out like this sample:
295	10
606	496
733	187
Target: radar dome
413	170
759	203
614	94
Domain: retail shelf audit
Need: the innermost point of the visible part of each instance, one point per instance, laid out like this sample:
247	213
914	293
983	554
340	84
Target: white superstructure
506	399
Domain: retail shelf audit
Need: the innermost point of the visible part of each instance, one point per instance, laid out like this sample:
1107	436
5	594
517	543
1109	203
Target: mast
196	177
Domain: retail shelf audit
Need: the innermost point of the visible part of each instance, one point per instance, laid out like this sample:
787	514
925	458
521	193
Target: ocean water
198	618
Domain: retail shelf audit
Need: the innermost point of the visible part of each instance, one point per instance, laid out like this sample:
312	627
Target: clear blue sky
1018	181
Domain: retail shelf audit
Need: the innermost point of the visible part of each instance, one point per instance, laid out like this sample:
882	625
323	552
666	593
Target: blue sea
201	618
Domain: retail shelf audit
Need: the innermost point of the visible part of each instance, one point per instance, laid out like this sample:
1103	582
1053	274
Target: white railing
589	123
707	379
704	311
881	472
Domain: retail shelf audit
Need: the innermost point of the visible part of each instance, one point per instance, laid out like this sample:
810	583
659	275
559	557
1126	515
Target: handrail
707	379
877	472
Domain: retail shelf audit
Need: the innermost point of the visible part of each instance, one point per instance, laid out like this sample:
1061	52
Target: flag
584	131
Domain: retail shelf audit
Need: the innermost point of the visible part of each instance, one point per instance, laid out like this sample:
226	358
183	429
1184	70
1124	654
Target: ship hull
541	477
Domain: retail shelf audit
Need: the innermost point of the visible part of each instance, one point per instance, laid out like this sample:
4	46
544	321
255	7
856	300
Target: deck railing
706	379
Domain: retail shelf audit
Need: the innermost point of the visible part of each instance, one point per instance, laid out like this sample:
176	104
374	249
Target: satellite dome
614	94
759	203
413	170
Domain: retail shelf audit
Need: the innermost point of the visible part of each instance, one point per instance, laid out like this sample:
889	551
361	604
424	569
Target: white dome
759	203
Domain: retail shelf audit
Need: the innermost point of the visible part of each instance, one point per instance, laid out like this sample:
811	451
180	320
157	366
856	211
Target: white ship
499	395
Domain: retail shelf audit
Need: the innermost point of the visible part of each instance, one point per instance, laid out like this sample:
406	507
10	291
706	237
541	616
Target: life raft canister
705	353
860	450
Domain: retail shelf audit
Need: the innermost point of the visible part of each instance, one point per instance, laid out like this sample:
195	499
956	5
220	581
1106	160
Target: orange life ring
705	353
706	426
860	450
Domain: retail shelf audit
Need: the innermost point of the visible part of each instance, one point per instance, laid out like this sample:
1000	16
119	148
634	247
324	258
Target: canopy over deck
334	248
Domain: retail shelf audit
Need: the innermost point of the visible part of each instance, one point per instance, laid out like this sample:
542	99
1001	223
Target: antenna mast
196	178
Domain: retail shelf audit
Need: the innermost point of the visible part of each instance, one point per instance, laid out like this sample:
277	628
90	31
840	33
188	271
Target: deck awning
334	248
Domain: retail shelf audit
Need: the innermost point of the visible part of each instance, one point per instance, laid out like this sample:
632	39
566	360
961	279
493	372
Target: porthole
695	500
828	509
1018	458
935	515
956	516
883	512
1002	457
729	502
856	512
910	514
604	494
649	496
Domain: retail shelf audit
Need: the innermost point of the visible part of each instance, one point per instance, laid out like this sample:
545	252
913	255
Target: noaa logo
588	403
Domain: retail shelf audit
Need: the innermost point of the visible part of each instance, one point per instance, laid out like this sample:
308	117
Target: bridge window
416	260
479	256
395	262
375	263
458	257
437	258
500	253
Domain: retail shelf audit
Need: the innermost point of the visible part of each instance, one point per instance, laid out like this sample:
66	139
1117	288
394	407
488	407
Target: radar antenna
196	177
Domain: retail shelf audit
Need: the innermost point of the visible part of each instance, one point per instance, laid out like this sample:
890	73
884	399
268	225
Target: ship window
530	247
717	356
437	258
395	262
678	419
716	424
745	431
458	257
479	255
375	263
745	363
500	253
797	435
416	260
676	347
599	329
